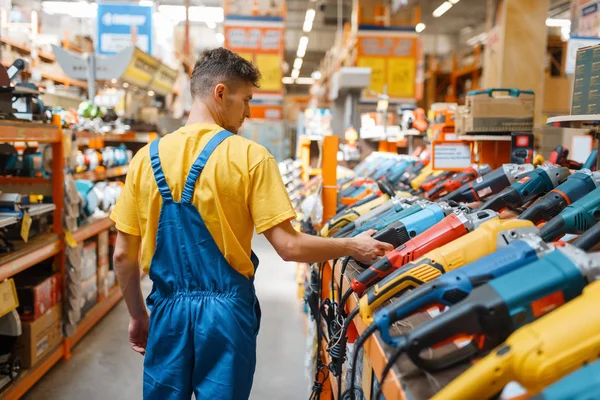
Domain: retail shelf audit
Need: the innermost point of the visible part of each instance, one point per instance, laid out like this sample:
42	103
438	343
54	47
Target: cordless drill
538	354
463	177
484	240
536	183
583	384
551	204
450	228
576	218
490	183
456	285
496	309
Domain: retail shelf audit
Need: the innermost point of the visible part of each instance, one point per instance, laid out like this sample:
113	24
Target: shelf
23	180
132	137
91	228
56	78
49	57
102	175
483	138
7	221
586	121
466	71
38	249
31	376
95	315
15	131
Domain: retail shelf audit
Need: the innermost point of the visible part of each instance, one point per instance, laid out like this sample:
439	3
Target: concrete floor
103	365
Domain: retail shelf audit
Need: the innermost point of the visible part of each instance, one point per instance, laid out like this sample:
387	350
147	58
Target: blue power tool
583	384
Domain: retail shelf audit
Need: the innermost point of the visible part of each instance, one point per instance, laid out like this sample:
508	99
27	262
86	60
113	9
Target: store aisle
104	367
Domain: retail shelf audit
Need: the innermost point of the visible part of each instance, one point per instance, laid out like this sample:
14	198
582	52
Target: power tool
590	162
394	175
383	168
450	228
551	204
589	239
576	218
583	384
486	239
490	183
496	309
456	285
536	183
424	174
411	173
396	169
433	180
559	155
463	177
538	354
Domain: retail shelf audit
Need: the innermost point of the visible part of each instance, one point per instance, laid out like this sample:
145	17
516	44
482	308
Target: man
190	204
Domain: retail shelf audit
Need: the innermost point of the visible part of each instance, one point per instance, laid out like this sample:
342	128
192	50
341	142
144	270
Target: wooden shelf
17	131
486	138
131	137
22	47
95	315
26	255
23	180
102	175
29	377
91	228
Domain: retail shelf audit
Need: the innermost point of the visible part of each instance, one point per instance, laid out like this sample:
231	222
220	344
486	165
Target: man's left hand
138	334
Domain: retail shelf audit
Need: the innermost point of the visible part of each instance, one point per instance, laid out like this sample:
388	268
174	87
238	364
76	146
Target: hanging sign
116	23
451	155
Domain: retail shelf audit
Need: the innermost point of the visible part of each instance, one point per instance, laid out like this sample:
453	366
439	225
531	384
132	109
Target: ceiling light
316	75
445	6
146	3
150	93
295	73
420	27
78	9
211	24
307	27
196	13
220	37
558	22
125	85
302	46
310	14
305	81
287	80
454	1
298	63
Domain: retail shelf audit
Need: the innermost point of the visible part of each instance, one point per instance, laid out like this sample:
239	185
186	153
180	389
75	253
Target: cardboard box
37	294
41	336
89	288
89	263
8	297
498	110
459	120
586	85
521	149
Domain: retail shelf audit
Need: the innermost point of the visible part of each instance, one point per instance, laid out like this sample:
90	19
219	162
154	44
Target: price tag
70	239
453	155
25	226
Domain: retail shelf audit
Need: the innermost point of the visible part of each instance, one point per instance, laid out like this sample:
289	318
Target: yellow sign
270	69
25	226
401	77
141	69
247	56
377	65
164	80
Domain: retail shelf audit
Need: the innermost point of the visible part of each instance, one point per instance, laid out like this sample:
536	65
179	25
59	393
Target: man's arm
127	249
292	245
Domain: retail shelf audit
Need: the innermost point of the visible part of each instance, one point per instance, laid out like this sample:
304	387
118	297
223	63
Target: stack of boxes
103	266
89	277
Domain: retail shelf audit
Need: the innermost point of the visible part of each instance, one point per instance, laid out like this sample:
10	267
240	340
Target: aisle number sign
115	24
451	155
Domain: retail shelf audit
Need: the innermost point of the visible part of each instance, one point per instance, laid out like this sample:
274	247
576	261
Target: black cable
349	394
322	370
388	367
342	299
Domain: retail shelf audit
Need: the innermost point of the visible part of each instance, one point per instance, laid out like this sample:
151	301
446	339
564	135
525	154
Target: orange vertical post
329	171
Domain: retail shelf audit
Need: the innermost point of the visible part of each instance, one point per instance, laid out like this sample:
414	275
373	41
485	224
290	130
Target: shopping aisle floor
103	365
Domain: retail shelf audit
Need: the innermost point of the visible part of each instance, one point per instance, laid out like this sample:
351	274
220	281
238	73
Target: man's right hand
366	249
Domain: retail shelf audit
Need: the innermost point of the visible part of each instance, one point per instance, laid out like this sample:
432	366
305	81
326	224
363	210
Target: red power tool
452	184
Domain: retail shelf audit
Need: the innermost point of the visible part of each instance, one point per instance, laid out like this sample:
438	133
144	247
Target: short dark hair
221	65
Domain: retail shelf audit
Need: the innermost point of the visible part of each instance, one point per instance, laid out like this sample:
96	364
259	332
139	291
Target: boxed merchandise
39	337
521	148
487	113
89	262
37	294
89	288
8	297
586	85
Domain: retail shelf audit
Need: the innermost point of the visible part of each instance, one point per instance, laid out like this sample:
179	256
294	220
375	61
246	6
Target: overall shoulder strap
196	170
159	175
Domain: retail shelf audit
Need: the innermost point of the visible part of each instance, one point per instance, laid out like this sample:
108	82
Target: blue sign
115	24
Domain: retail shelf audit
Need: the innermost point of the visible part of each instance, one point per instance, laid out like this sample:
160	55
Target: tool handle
546	208
589	239
435	192
395	235
512	92
590	162
508	198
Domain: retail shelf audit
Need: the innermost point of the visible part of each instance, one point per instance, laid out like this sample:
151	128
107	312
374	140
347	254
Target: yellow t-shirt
239	189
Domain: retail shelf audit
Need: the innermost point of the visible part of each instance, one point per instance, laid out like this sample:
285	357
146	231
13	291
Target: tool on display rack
551	204
489	184
583	384
560	154
536	183
10	330
461	178
576	218
21	100
538	354
434	180
491	312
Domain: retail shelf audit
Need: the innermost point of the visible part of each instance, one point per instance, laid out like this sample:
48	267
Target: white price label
451	155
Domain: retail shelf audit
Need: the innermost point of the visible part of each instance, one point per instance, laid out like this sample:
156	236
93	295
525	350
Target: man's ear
220	93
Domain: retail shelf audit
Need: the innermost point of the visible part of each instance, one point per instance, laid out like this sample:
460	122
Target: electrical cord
350	393
322	370
388	367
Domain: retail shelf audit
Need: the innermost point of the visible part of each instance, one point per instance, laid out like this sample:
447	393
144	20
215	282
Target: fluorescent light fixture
146	3
220	38
445	6
151	93
558	22
295	73
307	27
287	80
316	75
298	63
310	15
454	1
302	46
79	9
420	27
211	24
305	81
196	13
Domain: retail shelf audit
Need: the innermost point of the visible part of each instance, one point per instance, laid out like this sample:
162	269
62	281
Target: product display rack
102	175
589	122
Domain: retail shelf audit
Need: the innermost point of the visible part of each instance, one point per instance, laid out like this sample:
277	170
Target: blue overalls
204	314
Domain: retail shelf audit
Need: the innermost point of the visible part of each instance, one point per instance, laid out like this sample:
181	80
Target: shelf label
451	155
25	226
